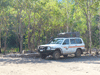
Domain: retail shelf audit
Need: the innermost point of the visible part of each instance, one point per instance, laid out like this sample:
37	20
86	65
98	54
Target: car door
65	46
73	45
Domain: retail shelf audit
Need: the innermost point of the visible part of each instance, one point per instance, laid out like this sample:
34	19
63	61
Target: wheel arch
59	49
80	50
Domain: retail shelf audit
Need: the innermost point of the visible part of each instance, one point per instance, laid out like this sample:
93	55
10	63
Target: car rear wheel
78	53
56	55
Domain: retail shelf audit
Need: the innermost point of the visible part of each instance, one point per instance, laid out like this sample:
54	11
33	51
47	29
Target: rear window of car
78	41
72	41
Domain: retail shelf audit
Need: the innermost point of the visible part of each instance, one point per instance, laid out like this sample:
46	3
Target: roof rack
69	34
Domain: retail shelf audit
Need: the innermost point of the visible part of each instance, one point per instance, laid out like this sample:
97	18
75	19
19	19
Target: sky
59	0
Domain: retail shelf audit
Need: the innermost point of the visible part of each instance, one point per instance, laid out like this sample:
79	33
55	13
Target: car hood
51	45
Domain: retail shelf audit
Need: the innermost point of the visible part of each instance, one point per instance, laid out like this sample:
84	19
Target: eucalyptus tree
98	19
31	8
88	9
19	5
52	19
67	13
28	10
4	17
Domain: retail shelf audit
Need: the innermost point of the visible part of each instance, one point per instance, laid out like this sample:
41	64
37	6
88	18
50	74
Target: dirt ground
85	65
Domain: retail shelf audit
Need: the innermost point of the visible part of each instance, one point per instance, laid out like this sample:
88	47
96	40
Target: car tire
43	56
65	56
78	53
56	55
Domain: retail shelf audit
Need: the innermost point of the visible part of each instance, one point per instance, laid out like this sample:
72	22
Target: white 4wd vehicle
62	46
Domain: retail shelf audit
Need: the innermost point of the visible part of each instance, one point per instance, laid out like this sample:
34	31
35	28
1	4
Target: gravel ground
85	65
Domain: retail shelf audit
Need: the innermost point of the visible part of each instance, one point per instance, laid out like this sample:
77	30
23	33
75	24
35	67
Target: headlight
48	48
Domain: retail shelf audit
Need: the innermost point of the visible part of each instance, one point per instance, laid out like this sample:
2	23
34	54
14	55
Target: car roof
68	37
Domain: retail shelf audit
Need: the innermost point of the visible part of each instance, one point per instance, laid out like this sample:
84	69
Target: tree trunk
6	33
67	17
21	43
5	44
29	37
99	34
99	30
33	32
0	36
20	33
90	44
89	23
0	40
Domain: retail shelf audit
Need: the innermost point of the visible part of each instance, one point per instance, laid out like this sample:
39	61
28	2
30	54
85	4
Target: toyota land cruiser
62	46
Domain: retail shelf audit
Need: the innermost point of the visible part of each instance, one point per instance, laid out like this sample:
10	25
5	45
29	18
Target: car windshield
57	41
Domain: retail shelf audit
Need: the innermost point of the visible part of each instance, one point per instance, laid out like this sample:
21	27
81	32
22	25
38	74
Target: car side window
78	41
72	41
66	42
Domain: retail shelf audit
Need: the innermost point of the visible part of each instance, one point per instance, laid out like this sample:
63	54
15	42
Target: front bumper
47	52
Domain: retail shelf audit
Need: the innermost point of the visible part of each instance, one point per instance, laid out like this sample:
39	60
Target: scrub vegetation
25	24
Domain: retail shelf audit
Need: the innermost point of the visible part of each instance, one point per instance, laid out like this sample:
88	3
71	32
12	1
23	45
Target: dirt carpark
84	65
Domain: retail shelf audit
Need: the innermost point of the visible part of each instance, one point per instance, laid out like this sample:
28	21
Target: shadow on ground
70	59
82	59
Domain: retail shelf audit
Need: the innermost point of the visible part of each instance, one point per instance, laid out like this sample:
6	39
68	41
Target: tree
89	9
19	6
32	22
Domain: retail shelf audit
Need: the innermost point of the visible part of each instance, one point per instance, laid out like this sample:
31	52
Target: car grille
44	48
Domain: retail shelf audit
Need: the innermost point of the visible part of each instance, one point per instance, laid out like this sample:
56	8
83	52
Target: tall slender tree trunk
29	37
99	30
18	18
67	27
0	40
99	34
67	18
89	26
87	35
33	44
89	23
5	43
20	33
6	33
67	21
0	36
39	31
90	44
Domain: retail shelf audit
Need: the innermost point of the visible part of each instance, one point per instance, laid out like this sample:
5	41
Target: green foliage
42	19
16	49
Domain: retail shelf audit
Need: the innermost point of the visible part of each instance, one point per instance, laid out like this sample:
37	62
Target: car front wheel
56	55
